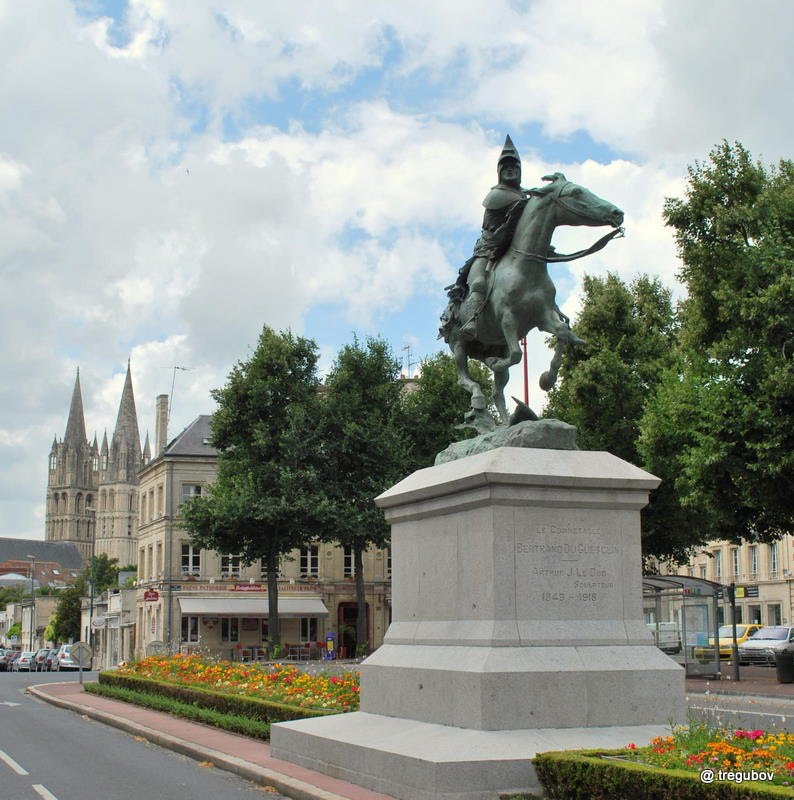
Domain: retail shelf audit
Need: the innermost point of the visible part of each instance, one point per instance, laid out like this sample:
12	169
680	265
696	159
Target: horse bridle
561	257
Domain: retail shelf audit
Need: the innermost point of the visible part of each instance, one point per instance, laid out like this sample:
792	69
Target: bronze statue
504	290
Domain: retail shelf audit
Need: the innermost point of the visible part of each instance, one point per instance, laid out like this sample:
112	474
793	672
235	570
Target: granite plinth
516	610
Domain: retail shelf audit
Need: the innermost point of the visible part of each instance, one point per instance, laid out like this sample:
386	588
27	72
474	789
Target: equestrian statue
504	290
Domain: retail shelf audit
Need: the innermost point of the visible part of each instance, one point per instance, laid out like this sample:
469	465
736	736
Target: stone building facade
199	600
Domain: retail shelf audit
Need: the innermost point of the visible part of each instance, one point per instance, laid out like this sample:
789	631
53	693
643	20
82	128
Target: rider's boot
469	311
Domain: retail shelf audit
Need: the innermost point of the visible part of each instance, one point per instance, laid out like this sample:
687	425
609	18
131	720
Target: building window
191	560
754	564
388	561
230	565
104	462
773	565
190	629
53	462
755	614
310	562
703	571
735	561
773	614
717	565
690	571
265	630
95	464
190	490
230	629
308	629
350	564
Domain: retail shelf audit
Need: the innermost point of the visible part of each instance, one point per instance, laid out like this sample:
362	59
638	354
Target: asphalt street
47	753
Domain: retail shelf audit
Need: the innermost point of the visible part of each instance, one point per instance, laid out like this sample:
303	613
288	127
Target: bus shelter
682	613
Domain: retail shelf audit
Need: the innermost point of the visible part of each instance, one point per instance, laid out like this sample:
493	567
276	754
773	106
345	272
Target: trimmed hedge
236	705
587	775
228	722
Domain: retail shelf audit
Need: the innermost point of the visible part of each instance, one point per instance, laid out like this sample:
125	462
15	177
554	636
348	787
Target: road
48	753
750	713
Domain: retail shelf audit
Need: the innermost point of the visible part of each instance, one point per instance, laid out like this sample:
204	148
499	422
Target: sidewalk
753	681
248	758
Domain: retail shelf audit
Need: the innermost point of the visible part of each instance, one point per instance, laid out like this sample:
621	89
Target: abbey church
92	491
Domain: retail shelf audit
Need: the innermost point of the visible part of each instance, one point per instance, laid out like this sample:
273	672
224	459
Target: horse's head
578	206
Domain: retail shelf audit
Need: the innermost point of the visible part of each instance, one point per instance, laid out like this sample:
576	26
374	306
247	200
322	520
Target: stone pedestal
517	628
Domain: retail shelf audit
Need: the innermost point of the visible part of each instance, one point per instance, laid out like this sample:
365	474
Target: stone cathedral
92	491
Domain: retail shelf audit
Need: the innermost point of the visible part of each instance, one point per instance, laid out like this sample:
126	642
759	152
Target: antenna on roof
173	381
407	363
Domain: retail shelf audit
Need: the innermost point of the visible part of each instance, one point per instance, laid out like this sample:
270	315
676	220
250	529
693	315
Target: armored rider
503	207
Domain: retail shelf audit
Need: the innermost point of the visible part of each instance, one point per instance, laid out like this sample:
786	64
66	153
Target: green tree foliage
604	385
729	409
365	451
66	627
11	594
267	498
435	406
103	573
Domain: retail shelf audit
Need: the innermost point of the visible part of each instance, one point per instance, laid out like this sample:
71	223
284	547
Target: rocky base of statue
547	434
517	628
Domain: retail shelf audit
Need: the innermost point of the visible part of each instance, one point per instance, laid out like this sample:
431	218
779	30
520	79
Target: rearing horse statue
521	295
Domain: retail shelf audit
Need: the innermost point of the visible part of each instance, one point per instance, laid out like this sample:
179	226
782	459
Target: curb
285	784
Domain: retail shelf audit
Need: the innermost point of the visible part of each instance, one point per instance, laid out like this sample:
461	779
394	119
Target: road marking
44	792
13	764
6	703
738	711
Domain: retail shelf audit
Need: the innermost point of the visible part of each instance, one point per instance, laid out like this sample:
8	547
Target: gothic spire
126	443
75	426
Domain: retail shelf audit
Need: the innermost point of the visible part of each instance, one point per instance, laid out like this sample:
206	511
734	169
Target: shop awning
252	606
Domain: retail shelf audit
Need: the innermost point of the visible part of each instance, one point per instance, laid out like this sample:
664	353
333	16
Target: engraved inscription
572	564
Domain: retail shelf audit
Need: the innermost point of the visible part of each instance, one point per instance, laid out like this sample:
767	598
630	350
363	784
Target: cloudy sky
176	173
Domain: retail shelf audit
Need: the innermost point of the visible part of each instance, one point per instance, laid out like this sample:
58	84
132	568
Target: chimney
160	424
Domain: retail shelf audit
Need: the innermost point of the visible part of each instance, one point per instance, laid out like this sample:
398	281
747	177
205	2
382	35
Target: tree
67	613
102	572
604	385
11	594
267	499
434	408
735	234
365	452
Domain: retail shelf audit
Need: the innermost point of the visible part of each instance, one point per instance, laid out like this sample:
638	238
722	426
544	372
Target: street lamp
33	599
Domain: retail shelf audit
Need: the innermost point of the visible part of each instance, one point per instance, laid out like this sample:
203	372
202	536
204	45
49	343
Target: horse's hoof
547	381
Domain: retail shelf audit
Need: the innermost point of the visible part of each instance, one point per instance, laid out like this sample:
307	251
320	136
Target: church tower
119	463
72	482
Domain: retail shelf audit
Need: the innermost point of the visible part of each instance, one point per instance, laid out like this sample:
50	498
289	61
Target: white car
25	661
765	644
64	659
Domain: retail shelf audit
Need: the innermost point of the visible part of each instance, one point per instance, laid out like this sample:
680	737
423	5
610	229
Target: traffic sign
81	654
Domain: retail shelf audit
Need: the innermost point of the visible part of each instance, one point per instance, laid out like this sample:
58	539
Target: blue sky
176	173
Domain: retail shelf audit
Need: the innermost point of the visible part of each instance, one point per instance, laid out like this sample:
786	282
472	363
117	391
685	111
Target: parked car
765	644
49	663
63	659
725	638
25	661
39	662
4	656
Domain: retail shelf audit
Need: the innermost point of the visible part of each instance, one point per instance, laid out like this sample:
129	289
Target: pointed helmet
509	153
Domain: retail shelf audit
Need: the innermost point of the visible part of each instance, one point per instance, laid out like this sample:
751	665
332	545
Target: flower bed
701	747
278	682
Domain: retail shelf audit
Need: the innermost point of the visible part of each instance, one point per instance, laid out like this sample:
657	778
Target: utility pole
32	601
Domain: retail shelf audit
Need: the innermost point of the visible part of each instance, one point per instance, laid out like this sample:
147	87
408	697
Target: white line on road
738	711
44	792
13	764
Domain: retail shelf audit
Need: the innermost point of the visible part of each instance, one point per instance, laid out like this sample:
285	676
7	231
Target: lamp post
32	599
